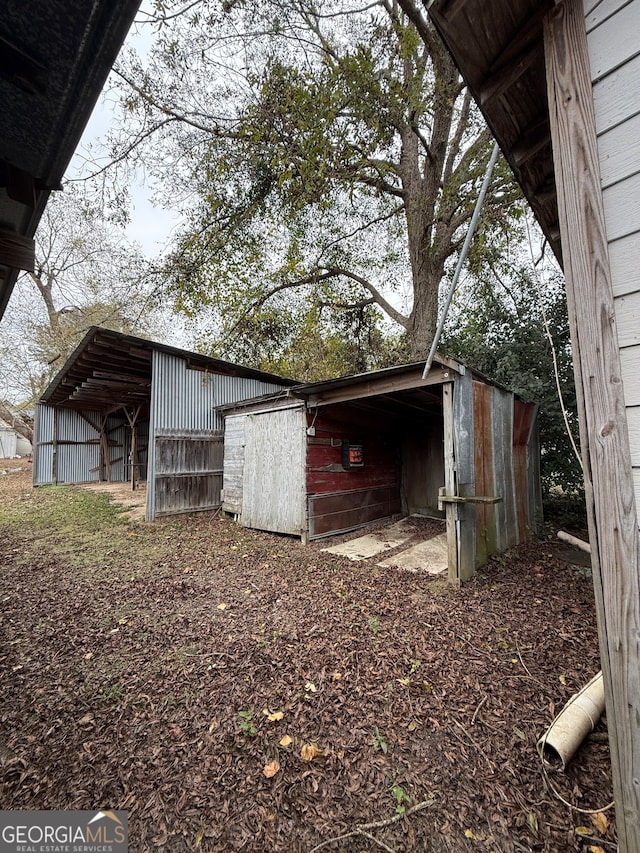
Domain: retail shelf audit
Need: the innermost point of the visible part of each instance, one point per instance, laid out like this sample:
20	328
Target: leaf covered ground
234	690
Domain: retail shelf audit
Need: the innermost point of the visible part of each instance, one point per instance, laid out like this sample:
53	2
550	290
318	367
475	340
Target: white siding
233	463
613	28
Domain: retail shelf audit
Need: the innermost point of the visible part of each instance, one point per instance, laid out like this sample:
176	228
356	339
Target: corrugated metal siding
7	443
77	448
43	449
77	462
187	401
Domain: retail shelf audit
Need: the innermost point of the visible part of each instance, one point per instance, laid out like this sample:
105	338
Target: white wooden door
274	471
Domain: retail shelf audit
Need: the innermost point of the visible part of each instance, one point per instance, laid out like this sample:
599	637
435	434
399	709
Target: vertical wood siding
273	482
233	463
614	57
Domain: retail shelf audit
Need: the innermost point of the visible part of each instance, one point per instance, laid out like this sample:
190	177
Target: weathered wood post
613	523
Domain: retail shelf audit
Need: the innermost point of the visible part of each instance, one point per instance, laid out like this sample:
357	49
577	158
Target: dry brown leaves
125	689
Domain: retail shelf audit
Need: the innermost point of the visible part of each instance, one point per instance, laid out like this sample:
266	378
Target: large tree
326	155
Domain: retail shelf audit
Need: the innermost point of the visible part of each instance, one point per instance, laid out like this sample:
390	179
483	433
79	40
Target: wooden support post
105	461
133	423
613	523
451	509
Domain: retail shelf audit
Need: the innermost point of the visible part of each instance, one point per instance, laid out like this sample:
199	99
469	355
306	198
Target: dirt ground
236	691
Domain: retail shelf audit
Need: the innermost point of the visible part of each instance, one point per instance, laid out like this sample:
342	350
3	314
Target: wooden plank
382	385
636	485
615	41
274	471
598	11
451	510
347	511
627	310
465	480
621	208
233	463
613	524
624	260
619	151
630	364
613	96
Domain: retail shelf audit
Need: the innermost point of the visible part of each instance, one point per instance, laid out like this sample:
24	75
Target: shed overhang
110	370
55	56
499	50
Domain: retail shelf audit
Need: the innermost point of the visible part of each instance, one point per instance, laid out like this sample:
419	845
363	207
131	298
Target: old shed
332	456
124	409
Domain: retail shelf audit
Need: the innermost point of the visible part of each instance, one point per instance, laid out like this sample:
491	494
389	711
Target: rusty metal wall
506	462
185	405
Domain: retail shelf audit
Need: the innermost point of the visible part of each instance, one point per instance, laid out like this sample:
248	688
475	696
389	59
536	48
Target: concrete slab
372	544
428	556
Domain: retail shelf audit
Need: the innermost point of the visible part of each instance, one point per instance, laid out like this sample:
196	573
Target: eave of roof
499	50
55	56
128	359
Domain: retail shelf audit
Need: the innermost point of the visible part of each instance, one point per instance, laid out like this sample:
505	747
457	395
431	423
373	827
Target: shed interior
399	466
109	386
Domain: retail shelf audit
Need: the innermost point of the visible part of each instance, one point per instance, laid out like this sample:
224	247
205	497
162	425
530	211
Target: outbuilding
125	409
328	457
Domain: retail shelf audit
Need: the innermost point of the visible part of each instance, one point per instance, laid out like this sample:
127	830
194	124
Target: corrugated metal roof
109	367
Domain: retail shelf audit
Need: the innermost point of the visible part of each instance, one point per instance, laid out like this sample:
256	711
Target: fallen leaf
214	725
595	848
274	716
286	741
309	751
310	687
412	726
122	621
469	833
271	769
336	676
583	830
519	733
600	822
87	720
562	679
221	607
532	820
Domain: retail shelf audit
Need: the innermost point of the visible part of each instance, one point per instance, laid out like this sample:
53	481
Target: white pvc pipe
577	719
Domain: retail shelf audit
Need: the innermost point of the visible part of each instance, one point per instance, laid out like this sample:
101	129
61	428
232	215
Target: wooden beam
501	80
380	386
613	523
533	139
449	488
452	8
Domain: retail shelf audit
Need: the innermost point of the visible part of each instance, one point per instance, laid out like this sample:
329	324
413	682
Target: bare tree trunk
15	421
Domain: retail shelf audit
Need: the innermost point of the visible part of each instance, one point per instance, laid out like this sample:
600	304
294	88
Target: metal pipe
462	258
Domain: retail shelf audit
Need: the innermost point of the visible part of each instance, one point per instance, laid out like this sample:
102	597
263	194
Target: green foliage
247	726
401	797
379	743
334	168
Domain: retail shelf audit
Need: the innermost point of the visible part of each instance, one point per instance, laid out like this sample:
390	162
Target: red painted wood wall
341	499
